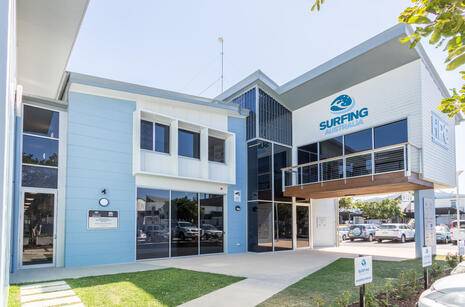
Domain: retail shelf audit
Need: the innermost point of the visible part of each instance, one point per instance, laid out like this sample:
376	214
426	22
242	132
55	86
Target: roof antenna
221	41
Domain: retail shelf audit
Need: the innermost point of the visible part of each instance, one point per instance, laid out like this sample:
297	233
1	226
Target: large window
307	153
40	148
259	170
189	144
331	148
248	101
211	223
154	136
391	134
184	224
358	141
282	157
282	226
275	121
260	226
216	149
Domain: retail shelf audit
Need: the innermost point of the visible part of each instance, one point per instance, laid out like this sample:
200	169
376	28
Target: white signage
363	270
100	219
429	222
426	256
439	131
237	196
461	247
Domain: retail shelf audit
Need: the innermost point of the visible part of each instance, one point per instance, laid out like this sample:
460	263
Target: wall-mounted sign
429	222
343	106
426	256
439	131
102	219
363	270
237	196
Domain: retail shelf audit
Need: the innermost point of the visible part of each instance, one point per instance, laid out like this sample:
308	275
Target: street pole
221	40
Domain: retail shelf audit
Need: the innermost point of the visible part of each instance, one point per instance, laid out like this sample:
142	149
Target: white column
204	152
174	147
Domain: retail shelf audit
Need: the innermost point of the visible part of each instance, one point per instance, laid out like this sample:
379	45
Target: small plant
437	270
318	301
344	299
370	297
388	293
407	284
452	260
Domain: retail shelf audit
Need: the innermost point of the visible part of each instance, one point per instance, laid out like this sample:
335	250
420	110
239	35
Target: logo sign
426	256
461	247
343	106
439	131
363	270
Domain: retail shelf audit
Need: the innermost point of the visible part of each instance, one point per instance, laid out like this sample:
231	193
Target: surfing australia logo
346	118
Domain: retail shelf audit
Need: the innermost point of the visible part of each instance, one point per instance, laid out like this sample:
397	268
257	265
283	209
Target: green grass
332	280
165	287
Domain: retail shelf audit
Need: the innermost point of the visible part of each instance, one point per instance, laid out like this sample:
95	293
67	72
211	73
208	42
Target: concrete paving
57	293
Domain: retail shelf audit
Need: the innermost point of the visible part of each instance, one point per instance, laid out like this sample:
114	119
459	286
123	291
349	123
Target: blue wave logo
342	104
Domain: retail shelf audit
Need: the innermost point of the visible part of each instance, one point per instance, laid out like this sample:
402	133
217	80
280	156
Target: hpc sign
363	270
439	131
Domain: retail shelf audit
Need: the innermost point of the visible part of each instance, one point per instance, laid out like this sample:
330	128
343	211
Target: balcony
383	170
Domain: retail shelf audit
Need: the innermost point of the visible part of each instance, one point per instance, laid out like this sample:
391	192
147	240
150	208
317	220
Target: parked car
447	291
362	231
395	232
457	233
343	233
211	232
442	234
185	230
459	269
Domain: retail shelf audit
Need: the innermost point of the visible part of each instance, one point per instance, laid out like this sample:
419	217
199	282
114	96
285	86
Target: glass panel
389	161
358	165
184	224
215	149
37	150
40	122
211	223
282	227
391	134
189	144
307	153
309	174
162	138
247	101
152	223
146	135
331	148
260	226
358	141
282	158
302	220
259	170
332	170
38	232
275	120
39	177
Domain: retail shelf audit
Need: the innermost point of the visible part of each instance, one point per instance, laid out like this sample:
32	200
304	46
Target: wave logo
342	104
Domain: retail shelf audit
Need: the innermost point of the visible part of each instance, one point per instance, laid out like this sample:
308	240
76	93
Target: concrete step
46	296
54	302
44	289
44	284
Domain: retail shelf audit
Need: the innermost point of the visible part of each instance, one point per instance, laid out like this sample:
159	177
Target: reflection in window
358	165
307	153
358	141
391	134
38	150
211	223
282	157
152	223
259	170
331	148
275	121
282	226
332	170
247	101
146	135
40	121
39	177
389	161
260	226
189	144
216	149
184	224
162	138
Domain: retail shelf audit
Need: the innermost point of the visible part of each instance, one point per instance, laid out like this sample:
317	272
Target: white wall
324	222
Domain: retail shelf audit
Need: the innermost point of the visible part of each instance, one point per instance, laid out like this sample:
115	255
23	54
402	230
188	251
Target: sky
174	44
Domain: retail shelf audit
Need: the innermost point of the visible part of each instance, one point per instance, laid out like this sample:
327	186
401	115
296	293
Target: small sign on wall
237	196
102	219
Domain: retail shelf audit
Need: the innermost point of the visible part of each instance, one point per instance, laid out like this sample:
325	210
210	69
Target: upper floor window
307	153
331	148
357	141
154	136
40	122
189	144
216	149
391	134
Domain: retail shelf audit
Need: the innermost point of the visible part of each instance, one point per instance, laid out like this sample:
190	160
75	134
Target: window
40	151
216	148
331	148
275	121
391	134
146	135
307	153
162	138
358	141
259	170
40	121
282	157
189	144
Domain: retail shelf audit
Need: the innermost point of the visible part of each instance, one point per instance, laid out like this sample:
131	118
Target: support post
362	295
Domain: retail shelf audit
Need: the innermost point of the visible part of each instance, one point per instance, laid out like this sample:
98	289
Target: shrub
437	270
318	301
370	297
407	284
344	299
452	260
388	293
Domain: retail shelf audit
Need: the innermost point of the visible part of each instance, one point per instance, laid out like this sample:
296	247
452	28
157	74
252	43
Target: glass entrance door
303	226
38	229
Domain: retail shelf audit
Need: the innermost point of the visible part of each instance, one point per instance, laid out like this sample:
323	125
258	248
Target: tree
442	23
381	210
346	203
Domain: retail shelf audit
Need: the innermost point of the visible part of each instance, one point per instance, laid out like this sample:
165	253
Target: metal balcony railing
404	157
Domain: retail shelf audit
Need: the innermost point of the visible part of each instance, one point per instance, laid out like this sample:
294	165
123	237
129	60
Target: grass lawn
166	287
332	280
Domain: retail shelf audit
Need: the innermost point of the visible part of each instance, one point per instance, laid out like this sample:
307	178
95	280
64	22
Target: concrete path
55	293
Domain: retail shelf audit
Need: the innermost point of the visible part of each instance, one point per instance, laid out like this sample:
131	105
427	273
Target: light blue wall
237	220
99	157
16	197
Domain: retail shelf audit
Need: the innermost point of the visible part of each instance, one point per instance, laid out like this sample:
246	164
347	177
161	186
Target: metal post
362	296
283	181
425	277
221	40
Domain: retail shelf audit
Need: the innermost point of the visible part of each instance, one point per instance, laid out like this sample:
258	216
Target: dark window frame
195	149
211	154
154	146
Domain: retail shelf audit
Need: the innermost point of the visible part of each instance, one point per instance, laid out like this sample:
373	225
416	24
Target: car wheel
370	238
402	239
380	241
344	237
351	240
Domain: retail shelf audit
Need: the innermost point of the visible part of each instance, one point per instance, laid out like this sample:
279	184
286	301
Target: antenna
221	41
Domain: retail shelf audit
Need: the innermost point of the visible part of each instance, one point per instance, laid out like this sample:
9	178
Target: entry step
55	293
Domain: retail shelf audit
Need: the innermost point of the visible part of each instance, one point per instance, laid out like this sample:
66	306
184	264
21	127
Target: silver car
395	232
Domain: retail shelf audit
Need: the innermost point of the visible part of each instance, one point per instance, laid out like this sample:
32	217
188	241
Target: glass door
303	226
38	228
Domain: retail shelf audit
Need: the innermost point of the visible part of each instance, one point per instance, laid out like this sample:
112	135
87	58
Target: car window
387	227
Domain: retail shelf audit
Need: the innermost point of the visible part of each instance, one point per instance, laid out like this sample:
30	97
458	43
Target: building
109	172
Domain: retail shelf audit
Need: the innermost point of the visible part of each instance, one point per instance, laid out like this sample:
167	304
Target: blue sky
174	44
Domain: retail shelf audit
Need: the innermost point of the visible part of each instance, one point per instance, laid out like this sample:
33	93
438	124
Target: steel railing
404	157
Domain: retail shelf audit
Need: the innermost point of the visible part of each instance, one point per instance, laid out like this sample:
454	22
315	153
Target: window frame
193	149
154	137
224	149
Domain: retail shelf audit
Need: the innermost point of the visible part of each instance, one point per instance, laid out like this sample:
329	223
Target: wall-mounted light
237	208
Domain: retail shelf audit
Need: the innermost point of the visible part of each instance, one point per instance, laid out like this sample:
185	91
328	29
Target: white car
395	232
457	233
459	269
447	291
